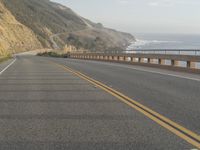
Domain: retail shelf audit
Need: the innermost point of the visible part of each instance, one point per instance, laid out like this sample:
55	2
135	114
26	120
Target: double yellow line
175	128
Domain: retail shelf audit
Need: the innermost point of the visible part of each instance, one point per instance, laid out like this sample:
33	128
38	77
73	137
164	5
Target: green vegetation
53	54
4	58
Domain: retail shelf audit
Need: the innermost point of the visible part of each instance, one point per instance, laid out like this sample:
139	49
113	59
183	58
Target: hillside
14	36
50	20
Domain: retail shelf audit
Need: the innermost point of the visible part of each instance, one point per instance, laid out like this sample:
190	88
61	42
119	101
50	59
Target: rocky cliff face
28	24
14	36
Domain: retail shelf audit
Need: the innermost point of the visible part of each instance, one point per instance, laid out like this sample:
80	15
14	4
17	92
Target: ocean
166	41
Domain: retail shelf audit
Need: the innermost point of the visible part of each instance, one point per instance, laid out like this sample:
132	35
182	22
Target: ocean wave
139	43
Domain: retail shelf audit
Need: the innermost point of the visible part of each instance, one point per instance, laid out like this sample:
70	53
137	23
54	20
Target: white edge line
156	72
166	74
8	66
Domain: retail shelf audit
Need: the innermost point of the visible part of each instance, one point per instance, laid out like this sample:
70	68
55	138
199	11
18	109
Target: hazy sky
141	16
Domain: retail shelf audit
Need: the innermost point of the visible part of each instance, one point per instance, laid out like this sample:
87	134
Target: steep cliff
14	36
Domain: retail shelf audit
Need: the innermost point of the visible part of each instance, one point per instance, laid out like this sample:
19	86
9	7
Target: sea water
167	41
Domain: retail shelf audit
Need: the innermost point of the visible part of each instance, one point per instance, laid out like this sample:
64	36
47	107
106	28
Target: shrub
53	54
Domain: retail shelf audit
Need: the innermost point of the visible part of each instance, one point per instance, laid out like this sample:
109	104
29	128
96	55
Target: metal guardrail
193	52
177	61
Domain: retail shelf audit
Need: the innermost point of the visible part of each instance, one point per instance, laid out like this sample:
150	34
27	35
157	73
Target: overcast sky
141	16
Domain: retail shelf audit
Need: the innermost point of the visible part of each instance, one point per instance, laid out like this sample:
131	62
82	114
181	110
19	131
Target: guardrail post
124	58
149	60
174	63
191	64
131	59
118	58
161	61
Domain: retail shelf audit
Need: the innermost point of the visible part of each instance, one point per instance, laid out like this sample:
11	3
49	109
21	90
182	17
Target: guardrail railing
177	60
155	51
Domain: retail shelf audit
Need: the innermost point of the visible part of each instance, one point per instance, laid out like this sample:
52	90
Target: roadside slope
46	18
14	36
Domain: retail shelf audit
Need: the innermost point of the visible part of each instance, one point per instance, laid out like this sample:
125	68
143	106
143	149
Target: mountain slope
47	19
14	36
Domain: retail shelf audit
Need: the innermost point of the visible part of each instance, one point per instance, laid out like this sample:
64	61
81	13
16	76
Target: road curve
43	106
176	97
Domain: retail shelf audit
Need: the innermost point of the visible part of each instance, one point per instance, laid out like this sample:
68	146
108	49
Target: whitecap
140	43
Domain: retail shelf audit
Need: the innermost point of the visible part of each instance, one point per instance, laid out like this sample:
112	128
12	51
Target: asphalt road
177	98
44	107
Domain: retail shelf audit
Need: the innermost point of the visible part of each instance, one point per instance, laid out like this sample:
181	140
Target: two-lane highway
174	95
45	106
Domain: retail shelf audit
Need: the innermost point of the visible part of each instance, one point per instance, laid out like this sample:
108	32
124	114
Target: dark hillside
46	19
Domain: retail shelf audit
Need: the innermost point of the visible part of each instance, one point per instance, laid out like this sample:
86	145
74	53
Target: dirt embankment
14	36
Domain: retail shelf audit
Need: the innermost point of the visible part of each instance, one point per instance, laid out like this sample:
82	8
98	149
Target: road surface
45	106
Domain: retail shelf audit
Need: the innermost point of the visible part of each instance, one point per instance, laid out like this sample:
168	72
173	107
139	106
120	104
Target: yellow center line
170	125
